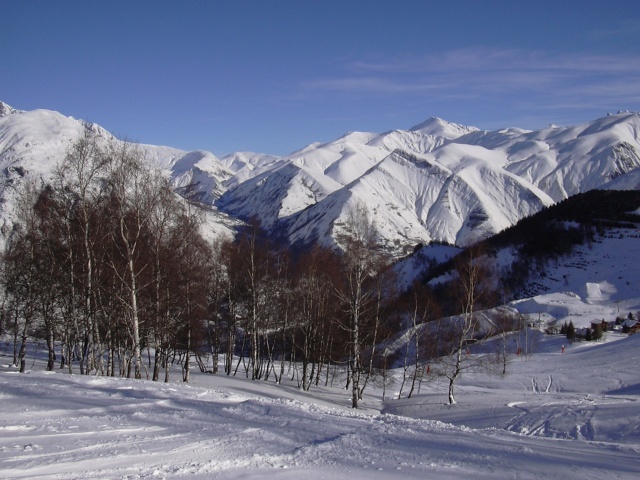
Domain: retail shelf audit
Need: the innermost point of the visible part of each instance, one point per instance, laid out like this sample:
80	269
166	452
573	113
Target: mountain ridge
437	181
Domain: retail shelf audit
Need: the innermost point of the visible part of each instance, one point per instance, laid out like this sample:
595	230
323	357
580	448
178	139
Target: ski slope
571	415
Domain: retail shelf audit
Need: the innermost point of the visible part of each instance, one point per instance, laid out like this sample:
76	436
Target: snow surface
571	415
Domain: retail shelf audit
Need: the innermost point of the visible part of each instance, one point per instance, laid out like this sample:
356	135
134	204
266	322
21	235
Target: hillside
450	184
577	245
595	233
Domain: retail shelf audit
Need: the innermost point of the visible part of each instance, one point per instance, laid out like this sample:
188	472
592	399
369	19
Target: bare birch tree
133	196
359	265
461	330
79	180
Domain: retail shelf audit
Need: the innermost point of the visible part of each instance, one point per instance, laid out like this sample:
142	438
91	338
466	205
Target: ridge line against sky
274	76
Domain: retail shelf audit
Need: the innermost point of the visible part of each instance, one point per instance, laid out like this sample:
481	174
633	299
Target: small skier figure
562	348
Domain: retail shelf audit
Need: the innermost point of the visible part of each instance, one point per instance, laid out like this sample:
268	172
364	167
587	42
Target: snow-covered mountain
564	161
436	181
32	143
199	176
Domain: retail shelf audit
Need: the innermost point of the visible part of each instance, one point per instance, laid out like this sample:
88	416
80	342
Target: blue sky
272	76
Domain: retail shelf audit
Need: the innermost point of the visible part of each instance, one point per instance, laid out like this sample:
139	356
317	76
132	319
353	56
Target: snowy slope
415	199
554	415
278	192
480	198
246	165
602	275
322	169
31	144
587	395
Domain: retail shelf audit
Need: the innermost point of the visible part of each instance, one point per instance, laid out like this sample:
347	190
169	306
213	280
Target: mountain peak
6	109
441	128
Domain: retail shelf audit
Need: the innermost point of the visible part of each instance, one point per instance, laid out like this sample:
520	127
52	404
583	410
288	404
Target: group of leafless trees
277	313
108	267
102	262
446	328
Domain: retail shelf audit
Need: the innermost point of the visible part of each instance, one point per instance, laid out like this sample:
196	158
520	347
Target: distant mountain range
437	181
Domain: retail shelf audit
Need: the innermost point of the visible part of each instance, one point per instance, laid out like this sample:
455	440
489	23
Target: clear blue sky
272	76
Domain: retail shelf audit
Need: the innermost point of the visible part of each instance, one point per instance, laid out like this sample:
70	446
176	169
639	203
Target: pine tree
571	331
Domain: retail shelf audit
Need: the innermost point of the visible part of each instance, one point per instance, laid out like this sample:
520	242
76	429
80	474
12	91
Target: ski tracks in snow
157	431
536	387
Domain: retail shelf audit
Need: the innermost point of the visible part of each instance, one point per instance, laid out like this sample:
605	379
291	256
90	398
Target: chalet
631	326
